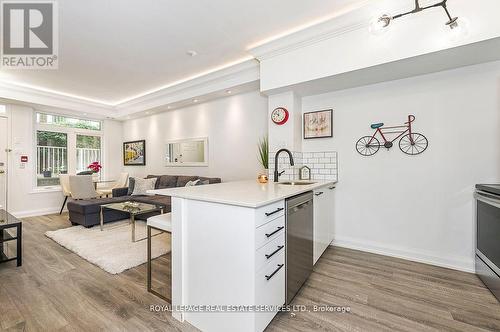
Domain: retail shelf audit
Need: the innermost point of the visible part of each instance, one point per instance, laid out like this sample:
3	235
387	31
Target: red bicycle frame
407	125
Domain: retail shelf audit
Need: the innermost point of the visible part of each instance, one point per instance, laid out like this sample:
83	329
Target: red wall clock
280	116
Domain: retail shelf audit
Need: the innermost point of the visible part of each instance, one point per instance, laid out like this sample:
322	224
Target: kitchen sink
301	183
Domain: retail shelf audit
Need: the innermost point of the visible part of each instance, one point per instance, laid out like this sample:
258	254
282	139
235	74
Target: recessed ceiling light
148	112
229	91
85	114
169	107
195	100
192	53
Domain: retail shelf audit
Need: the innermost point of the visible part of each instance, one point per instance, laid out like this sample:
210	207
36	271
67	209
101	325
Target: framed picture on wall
318	124
134	153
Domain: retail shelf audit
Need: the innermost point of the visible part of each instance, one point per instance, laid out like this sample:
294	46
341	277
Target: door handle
274	252
276	211
268	277
331	188
268	235
489	201
2	171
319	194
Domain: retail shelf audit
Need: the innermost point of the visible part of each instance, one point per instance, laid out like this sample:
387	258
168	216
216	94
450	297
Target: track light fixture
385	20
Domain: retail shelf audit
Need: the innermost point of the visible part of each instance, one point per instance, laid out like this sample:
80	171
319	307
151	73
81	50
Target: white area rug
112	249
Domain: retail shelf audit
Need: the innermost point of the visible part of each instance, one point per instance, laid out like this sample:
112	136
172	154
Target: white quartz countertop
242	193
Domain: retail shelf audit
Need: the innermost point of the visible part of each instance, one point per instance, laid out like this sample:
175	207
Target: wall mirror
187	152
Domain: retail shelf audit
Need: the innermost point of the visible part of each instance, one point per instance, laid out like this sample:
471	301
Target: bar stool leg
149	265
149	259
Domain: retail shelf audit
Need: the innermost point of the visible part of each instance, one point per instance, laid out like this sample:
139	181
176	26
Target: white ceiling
114	50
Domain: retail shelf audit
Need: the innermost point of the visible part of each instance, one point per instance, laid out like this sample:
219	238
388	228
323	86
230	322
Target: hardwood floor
56	290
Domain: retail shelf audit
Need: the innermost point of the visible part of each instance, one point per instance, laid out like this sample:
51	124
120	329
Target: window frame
71	146
101	143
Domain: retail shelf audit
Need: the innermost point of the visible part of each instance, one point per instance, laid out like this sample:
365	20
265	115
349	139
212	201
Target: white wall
233	126
285	136
24	198
418	207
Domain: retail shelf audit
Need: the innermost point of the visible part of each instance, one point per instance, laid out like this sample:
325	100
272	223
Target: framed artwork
134	153
318	124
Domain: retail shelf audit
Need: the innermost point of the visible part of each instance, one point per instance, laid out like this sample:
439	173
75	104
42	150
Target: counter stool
163	223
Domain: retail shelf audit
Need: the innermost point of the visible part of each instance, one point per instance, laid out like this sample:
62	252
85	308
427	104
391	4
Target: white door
3	163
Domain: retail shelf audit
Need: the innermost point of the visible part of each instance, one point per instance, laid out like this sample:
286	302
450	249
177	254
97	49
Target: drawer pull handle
271	213
276	231
331	188
274	252
319	194
275	271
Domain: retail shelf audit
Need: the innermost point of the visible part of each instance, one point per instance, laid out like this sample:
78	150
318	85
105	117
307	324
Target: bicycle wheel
419	144
367	146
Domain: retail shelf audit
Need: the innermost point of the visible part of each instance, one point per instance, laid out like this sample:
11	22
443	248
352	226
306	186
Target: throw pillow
143	185
131	184
192	183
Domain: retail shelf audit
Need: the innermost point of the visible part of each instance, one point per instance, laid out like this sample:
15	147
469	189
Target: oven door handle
489	201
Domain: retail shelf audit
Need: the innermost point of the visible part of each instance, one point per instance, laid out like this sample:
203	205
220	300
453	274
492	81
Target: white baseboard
455	263
36	213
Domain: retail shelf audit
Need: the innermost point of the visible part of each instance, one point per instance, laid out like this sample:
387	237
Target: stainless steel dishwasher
299	242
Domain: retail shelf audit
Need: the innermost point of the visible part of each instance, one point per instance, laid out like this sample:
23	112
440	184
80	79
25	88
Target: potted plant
95	167
47	173
263	147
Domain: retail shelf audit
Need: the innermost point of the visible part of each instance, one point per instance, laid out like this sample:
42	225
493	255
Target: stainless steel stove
488	235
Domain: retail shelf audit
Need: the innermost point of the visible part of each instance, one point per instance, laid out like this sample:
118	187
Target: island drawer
270	212
270	288
270	231
272	249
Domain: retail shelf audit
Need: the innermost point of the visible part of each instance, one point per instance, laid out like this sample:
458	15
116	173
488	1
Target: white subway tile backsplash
323	165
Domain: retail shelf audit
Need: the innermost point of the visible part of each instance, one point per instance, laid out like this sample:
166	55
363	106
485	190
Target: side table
9	222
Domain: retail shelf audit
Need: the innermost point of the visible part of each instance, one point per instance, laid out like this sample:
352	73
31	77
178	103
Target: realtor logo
29	35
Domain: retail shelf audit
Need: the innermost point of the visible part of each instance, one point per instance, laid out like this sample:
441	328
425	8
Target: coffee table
8	221
134	211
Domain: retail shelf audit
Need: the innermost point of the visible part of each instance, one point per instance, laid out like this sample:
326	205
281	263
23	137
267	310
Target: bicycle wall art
410	143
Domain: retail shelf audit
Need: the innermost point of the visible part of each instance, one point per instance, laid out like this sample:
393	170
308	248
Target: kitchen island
228	244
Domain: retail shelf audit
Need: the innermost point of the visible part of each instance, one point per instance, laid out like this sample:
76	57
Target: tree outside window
88	150
52	157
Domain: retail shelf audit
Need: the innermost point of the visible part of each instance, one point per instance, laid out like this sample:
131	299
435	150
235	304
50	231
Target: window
65	145
64	121
52	157
88	150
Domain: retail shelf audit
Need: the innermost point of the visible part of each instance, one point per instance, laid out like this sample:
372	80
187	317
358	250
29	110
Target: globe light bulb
457	30
380	24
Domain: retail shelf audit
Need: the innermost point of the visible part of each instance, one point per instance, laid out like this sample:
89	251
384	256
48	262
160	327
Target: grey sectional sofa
87	212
